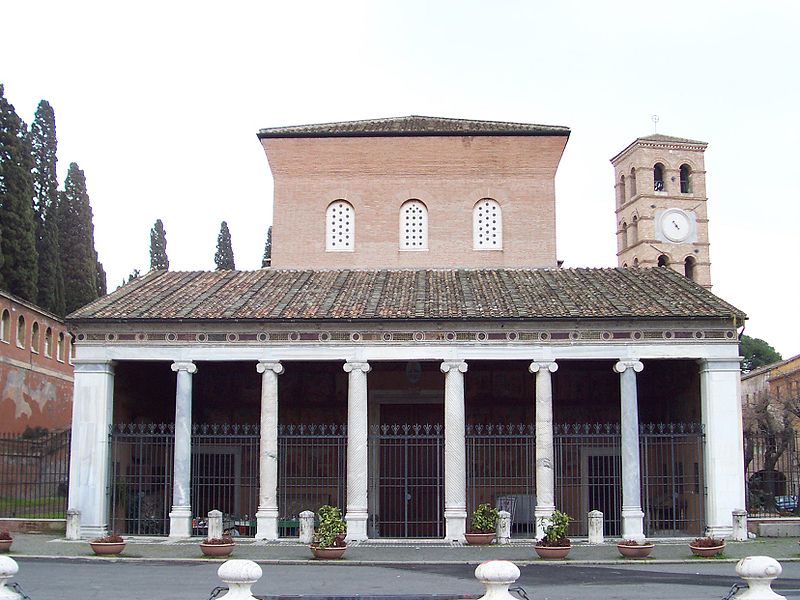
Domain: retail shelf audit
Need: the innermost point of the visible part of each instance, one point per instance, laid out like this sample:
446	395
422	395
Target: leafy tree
267	260
45	205
158	247
20	268
76	239
756	353
224	255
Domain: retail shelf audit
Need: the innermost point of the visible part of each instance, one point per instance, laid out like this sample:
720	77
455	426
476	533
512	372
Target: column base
356	525
542	516
267	523
720	531
91	532
633	524
455	524
180	522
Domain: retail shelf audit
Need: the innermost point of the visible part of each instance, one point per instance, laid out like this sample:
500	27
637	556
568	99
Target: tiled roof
657	137
412	125
445	294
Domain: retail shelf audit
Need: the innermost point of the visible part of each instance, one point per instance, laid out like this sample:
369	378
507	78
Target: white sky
160	102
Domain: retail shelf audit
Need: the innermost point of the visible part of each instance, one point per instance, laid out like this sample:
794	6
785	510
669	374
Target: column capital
449	365
266	365
634	364
184	365
720	364
538	365
94	366
357	365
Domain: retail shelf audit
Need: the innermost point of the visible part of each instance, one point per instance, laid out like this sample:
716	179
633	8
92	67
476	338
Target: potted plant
484	525
329	536
108	545
217	546
634	549
5	541
555	543
707	546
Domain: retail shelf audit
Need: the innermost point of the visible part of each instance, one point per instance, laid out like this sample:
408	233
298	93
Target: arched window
635	263
621	191
632	184
71	348
658	177
686	174
688	267
633	235
624	265
60	347
413	226
663	261
5	326
340	226
48	342
21	331
487	225
35	337
624	230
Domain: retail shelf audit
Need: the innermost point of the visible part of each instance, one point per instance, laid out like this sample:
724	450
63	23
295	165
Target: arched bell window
658	177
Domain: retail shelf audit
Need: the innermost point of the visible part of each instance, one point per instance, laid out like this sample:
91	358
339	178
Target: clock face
676	225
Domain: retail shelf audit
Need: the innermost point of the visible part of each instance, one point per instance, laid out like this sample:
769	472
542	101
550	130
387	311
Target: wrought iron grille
406	467
772	468
34	475
312	471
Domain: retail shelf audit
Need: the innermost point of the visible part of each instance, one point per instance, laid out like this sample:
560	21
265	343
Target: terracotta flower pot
5	545
329	552
479	539
216	549
107	548
641	551
707	551
552	552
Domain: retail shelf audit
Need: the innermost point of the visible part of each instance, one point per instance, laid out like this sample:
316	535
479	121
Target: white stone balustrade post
357	452
180	517
497	576
739	518
8	568
759	572
545	474
503	531
73	531
240	576
214	524
267	514
632	514
92	409
306	527
596	527
455	451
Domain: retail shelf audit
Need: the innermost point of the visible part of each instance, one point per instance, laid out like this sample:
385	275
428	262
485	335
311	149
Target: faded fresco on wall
30	399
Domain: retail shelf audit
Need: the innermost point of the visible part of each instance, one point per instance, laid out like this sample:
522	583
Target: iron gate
406	466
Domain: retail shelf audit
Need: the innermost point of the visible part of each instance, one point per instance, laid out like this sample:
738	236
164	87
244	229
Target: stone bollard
504	527
306	527
73	524
214	524
739	525
8	568
497	575
759	572
240	575
596	527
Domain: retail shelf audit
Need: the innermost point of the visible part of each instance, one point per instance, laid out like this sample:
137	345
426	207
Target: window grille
413	226
340	226
487	225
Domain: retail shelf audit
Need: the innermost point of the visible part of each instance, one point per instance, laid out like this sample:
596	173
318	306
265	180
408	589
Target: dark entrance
407	458
605	489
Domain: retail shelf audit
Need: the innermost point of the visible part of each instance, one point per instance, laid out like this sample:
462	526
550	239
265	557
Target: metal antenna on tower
654	118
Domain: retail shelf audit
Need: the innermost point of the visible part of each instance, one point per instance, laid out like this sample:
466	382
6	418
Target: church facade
414	350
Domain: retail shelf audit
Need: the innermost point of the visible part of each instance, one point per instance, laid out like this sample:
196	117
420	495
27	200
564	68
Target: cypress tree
158	247
76	239
224	255
19	269
45	205
267	260
101	279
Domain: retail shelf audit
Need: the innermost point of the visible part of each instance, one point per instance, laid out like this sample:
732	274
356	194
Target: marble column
92	404
180	517
357	454
632	515
455	451
721	413
545	474
267	515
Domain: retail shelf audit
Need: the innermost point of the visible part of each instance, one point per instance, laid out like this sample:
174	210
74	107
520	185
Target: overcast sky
160	102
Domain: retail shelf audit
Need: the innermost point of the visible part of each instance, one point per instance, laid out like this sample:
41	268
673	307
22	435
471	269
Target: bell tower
661	206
